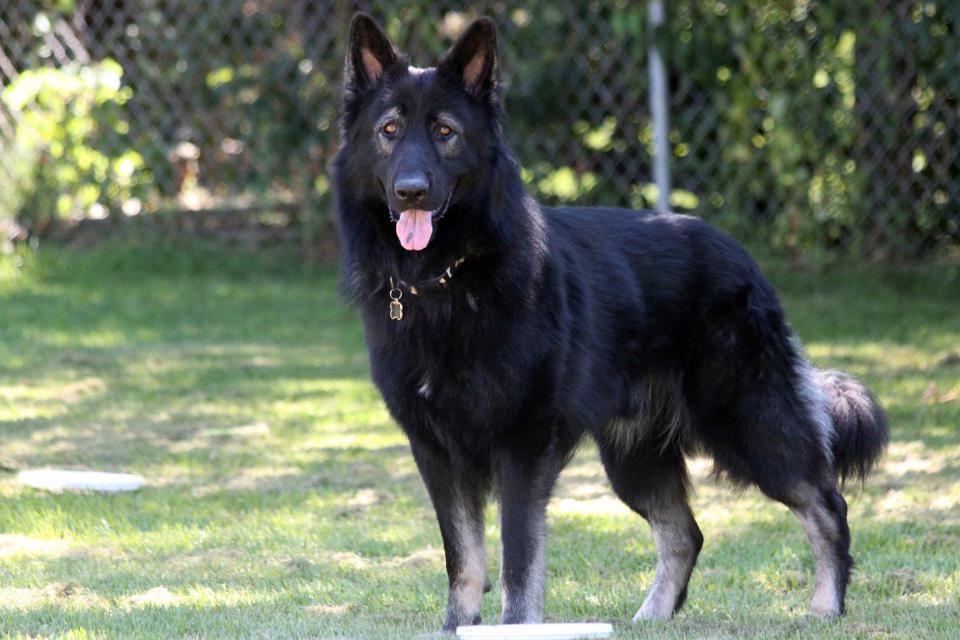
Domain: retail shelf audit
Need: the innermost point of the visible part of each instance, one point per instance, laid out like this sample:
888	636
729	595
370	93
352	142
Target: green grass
283	502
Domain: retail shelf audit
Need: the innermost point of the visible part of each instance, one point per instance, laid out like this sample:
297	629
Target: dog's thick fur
524	327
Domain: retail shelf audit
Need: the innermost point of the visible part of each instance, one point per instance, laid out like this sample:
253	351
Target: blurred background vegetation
816	128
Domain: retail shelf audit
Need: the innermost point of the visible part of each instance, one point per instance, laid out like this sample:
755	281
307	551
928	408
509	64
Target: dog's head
418	137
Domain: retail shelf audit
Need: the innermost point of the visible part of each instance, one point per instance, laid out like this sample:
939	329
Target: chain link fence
813	126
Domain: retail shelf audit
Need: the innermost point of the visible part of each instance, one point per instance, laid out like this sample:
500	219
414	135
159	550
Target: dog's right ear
369	55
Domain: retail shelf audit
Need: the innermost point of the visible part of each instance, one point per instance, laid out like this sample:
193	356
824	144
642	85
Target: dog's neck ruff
422	288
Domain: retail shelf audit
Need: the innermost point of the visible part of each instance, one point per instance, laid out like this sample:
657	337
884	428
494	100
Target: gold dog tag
396	308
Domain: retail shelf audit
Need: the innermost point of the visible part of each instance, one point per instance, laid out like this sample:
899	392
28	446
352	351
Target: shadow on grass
255	616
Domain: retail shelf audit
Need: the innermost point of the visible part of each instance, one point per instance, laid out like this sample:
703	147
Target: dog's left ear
473	58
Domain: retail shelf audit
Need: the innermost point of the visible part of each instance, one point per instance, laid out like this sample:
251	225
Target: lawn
282	501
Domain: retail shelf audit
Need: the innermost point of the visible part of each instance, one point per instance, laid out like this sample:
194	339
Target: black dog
500	331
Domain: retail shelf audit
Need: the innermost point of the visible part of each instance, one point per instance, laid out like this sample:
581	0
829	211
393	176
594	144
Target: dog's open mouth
415	226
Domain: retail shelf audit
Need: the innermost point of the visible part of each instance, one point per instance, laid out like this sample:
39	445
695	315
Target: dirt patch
350	560
156	597
16	545
55	593
332	609
419	558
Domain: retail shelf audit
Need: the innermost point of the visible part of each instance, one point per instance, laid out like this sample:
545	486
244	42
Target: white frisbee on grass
67	480
554	631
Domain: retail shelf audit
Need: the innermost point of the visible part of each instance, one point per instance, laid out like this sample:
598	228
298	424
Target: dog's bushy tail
860	431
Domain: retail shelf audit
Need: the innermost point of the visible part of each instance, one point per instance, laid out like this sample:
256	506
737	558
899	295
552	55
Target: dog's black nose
412	187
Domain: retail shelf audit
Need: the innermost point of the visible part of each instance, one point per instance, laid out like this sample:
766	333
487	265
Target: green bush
69	156
829	121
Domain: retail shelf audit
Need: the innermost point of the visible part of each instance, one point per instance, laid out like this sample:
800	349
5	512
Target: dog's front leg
458	497
525	484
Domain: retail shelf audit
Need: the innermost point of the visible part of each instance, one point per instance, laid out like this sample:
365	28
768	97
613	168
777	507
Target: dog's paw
451	623
826	605
825	613
650	612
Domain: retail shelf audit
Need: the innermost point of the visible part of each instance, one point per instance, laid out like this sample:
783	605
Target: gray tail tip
860	432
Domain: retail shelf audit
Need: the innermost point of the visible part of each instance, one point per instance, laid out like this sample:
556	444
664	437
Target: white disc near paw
555	631
67	480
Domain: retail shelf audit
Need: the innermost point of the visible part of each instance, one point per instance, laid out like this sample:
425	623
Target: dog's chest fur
441	368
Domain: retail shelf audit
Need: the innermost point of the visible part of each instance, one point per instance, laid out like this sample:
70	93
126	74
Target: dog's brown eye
390	128
444	131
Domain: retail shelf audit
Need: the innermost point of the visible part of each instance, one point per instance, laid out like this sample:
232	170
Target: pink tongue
414	229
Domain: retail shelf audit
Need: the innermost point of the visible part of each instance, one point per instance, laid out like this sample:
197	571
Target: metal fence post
658	111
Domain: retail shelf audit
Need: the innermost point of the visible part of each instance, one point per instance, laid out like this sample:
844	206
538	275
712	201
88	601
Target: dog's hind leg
654	484
458	497
817	502
797	471
823	513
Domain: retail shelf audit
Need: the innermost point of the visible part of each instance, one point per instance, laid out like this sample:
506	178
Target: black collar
430	285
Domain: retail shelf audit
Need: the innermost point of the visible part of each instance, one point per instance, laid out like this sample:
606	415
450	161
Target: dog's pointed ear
473	57
369	55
